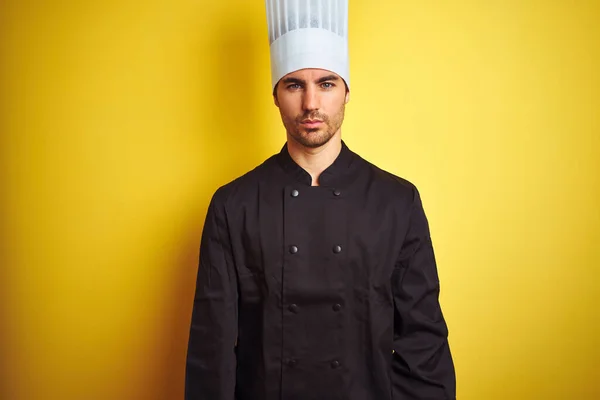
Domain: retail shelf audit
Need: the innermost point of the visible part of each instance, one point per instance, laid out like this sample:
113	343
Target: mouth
311	123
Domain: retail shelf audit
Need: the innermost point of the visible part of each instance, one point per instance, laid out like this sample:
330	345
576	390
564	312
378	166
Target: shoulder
227	195
388	183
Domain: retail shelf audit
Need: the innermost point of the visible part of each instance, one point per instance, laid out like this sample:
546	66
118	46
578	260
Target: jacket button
336	192
295	193
291	362
293	249
337	249
335	364
293	308
337	307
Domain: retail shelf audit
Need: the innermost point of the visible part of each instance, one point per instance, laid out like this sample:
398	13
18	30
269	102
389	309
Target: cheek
287	112
335	108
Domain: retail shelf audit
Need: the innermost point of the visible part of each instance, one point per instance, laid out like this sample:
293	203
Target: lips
311	123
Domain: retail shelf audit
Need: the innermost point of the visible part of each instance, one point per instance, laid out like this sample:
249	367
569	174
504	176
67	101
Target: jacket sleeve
211	361
422	366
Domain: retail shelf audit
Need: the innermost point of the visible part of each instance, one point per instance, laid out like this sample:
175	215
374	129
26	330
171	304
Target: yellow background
119	119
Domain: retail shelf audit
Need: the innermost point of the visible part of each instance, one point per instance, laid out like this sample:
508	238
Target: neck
315	160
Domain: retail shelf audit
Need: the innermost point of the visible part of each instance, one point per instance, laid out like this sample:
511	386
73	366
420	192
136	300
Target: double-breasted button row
295	309
292	362
296	193
336	249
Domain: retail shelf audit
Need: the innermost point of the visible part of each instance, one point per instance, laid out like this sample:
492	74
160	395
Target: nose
310	99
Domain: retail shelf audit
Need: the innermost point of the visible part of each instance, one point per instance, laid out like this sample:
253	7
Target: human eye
327	85
294	86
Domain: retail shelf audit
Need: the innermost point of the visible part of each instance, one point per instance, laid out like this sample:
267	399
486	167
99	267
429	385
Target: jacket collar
337	174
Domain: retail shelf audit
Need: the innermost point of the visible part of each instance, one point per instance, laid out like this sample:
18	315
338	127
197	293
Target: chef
317	277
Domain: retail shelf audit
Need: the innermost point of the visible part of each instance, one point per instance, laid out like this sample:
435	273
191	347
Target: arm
422	366
211	362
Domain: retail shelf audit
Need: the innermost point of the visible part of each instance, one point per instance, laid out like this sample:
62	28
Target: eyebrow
303	82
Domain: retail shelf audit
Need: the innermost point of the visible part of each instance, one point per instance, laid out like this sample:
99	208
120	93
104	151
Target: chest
315	242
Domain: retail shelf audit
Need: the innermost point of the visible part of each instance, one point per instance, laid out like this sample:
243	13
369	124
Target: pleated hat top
308	34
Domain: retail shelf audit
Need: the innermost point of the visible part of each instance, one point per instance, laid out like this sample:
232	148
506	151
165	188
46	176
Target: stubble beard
314	138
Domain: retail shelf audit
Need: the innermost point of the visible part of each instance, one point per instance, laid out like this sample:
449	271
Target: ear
347	99
275	99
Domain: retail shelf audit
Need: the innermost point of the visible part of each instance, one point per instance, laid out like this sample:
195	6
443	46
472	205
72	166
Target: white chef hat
308	34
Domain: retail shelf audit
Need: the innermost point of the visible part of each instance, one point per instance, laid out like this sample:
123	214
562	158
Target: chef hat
308	34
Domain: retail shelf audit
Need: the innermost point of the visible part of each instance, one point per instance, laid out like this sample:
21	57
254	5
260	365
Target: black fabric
317	292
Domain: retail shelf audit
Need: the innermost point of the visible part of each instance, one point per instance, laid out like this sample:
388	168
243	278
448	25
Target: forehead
309	74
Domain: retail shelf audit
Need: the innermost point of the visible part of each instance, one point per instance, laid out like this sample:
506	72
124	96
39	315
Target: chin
313	142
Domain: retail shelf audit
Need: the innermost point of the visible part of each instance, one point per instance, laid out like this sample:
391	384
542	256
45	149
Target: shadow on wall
230	138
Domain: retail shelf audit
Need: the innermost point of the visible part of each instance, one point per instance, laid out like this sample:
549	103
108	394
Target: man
317	277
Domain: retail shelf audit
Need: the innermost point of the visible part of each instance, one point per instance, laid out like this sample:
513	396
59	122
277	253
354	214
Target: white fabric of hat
308	34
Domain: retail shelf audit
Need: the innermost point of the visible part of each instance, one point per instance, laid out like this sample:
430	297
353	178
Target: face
311	103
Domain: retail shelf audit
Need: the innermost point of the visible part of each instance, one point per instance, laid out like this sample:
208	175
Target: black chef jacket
317	292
